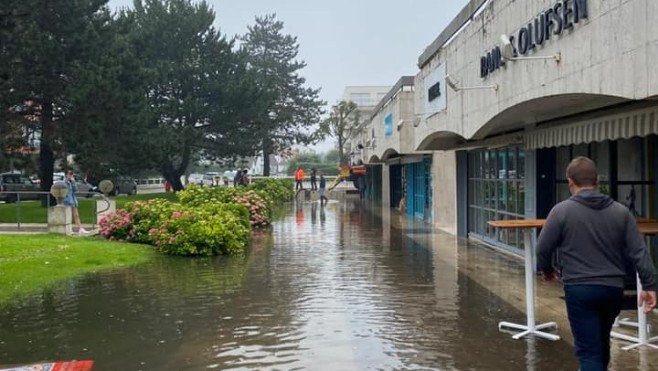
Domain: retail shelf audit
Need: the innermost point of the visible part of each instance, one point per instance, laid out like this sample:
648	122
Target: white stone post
60	219
104	206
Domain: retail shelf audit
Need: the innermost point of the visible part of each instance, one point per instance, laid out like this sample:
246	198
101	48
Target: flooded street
334	288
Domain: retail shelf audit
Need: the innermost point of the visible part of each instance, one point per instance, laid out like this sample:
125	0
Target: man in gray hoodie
597	238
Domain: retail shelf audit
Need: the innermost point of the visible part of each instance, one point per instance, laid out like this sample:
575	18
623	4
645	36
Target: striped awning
636	123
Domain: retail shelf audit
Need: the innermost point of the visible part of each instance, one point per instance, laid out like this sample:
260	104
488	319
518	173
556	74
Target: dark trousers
314	184
592	310
299	185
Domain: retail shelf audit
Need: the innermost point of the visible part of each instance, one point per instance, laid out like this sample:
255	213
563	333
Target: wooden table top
648	229
518	224
647	226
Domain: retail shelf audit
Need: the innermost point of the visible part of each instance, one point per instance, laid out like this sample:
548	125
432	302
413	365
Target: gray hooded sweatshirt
597	238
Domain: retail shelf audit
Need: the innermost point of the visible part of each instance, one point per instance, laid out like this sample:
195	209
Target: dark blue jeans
592	310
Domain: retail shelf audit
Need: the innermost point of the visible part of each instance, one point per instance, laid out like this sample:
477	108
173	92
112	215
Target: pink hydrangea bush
259	210
117	226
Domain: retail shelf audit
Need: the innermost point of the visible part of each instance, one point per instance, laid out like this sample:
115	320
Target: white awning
635	123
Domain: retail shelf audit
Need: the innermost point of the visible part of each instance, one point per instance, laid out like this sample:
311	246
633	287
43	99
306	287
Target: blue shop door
420	193
417	196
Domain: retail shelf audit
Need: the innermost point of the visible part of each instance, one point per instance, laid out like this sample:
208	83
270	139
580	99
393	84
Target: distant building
366	98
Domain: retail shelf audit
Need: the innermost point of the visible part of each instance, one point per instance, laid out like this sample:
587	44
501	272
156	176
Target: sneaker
83	231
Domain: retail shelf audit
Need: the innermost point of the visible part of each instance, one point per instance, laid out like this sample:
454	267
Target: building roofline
403	81
464	16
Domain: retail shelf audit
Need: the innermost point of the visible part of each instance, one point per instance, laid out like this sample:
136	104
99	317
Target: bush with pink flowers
258	204
207	221
117	226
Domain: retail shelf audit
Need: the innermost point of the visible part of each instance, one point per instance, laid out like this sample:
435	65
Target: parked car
12	182
124	185
84	189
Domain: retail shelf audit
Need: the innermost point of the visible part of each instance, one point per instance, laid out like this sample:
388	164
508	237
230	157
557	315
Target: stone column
59	220
104	206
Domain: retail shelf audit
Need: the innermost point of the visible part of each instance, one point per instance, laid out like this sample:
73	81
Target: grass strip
29	263
32	212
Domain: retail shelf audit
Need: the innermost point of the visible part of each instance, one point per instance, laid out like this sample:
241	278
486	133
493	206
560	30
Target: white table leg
642	338
530	328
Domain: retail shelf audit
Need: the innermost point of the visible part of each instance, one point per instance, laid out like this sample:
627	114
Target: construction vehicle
348	173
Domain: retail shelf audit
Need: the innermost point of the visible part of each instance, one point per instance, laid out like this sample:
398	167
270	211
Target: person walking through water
323	190
361	182
299	179
314	184
72	201
597	238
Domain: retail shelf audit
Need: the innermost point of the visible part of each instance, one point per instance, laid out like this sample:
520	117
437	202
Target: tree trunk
341	154
173	178
173	174
266	164
266	157
46	155
176	183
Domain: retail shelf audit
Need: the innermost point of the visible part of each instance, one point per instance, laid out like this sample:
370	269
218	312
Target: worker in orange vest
299	178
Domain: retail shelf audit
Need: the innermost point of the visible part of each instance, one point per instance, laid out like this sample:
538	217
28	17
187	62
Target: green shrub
202	233
149	214
207	221
258	203
194	195
278	190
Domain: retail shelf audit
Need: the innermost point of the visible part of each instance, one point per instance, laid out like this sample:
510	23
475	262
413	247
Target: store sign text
434	91
553	21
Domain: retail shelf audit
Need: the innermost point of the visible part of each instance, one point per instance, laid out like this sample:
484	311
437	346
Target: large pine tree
292	109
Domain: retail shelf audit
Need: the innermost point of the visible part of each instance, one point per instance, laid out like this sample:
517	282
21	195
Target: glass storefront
625	170
496	191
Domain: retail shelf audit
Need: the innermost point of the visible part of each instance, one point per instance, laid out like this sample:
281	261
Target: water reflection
357	290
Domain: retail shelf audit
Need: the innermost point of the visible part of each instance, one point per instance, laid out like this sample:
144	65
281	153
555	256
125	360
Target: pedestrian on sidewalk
323	190
362	186
72	201
299	179
314	184
597	238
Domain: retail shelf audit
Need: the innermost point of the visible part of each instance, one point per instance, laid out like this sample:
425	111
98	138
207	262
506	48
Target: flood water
333	288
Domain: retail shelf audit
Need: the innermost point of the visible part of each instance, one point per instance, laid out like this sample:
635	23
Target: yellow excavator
347	173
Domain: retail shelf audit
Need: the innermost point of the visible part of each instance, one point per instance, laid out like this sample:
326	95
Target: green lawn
29	263
32	212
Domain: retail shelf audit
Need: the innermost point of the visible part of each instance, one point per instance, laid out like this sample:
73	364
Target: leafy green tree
183	84
343	117
291	109
51	42
332	157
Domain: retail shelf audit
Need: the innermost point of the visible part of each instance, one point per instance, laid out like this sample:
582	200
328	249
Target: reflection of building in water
498	133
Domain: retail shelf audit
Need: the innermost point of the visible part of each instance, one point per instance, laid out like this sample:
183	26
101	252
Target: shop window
496	191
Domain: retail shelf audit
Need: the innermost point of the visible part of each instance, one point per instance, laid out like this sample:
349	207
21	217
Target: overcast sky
346	42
